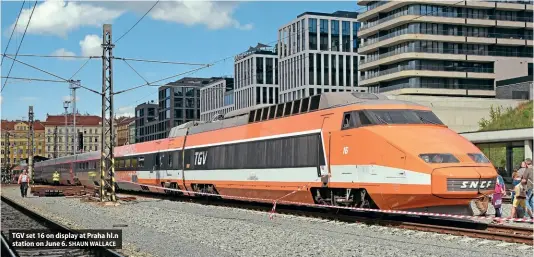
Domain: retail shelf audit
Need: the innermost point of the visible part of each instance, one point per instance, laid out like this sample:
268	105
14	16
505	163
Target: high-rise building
256	77
146	122
217	98
444	47
179	102
318	52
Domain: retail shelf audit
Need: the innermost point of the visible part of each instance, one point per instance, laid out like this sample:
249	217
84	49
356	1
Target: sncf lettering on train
201	157
475	184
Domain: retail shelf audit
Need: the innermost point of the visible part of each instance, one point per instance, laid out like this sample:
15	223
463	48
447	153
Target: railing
437	86
375	5
446	33
445	51
427	68
367	25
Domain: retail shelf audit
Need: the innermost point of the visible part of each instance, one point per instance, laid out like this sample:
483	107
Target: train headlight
478	158
438	158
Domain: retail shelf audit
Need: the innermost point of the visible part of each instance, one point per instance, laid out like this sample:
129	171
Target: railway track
15	216
458	227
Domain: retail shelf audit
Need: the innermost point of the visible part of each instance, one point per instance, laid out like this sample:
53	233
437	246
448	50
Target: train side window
141	163
364	120
287	109
314	102
127	163
121	164
279	110
265	113
251	116
296	107
134	162
170	160
305	103
258	115
272	110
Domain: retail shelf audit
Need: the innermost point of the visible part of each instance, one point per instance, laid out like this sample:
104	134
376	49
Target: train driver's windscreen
405	117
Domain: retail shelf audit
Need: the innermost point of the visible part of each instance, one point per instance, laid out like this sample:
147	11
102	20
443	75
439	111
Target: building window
345	30
259	70
323	34
258	92
312	33
312	69
335	36
270	68
355	28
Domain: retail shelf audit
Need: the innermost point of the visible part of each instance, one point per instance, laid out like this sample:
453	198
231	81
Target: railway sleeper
348	197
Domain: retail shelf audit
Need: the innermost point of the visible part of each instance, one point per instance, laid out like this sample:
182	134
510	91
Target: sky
190	31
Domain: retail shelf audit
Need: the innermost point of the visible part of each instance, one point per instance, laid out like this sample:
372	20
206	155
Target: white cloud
58	17
64	52
215	15
125	111
91	45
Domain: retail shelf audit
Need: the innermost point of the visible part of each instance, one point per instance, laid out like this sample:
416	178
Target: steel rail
458	227
97	251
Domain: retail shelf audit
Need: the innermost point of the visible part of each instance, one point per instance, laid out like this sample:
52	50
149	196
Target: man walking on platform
23	182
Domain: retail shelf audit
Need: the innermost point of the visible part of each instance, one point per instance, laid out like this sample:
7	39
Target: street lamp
66	106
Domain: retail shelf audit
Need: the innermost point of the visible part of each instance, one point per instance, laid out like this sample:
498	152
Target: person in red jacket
24	179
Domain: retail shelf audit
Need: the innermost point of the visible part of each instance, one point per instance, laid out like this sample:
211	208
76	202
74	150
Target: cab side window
347	121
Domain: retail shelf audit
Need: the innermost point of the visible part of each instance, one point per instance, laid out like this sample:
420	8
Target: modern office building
217	98
256	77
444	47
318	53
146	122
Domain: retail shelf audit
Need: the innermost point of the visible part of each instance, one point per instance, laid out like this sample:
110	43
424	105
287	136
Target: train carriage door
158	158
323	167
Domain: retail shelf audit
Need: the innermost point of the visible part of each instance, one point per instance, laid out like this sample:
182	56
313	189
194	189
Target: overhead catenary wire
54	75
136	22
36	79
55	56
136	72
13	31
83	65
18	49
156	61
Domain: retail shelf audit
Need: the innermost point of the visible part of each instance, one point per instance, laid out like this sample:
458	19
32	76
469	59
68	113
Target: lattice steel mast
107	161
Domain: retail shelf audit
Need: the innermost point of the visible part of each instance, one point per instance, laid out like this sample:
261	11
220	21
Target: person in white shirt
23	182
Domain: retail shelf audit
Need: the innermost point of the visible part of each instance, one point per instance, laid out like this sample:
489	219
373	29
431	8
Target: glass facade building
318	53
444	45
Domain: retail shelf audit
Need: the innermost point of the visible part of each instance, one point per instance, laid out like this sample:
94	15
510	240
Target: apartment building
256	77
17	134
123	130
318	52
60	135
444	47
217	98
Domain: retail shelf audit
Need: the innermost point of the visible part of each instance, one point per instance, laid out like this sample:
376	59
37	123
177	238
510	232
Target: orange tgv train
345	149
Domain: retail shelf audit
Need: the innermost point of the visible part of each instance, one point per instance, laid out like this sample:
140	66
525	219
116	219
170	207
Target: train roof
299	106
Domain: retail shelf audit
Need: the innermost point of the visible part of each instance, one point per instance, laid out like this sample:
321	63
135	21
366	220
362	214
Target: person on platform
528	178
55	178
520	197
496	200
23	182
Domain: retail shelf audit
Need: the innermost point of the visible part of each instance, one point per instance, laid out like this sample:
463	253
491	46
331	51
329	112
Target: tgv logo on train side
474	184
201	157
